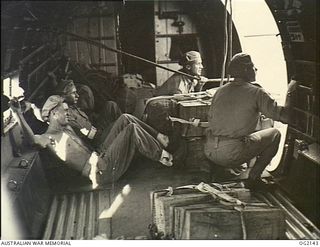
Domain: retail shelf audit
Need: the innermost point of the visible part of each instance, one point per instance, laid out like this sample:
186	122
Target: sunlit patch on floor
108	213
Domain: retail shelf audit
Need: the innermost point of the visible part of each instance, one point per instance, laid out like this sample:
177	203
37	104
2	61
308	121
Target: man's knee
125	117
130	118
111	104
121	118
132	127
276	135
270	135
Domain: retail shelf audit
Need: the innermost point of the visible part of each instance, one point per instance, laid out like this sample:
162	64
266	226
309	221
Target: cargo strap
218	195
225	199
243	223
195	122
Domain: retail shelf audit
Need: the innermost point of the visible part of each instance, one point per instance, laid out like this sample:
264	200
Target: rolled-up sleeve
267	105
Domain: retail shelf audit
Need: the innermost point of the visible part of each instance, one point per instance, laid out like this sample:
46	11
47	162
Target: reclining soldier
81	123
93	134
114	155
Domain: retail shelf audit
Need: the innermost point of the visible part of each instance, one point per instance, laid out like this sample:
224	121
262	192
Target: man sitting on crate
158	109
180	84
235	110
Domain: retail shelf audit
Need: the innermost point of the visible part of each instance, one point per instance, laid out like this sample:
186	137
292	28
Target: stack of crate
194	136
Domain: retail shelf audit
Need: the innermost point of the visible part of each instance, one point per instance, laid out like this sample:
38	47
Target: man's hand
194	121
15	105
203	79
293	86
28	105
163	139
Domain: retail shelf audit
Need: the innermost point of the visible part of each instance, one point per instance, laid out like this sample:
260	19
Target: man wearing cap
113	156
79	119
180	84
233	116
82	125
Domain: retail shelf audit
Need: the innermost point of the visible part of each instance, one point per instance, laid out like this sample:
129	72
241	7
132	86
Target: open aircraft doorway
261	39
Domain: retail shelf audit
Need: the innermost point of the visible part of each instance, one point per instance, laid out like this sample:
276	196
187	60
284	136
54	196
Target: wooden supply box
194	109
188	214
161	203
220	222
192	131
196	159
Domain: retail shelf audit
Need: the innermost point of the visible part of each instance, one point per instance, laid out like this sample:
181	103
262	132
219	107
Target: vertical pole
230	37
225	47
118	43
2	107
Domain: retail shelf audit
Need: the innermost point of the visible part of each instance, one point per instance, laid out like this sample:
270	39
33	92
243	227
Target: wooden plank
71	215
51	218
61	213
104	227
80	223
90	216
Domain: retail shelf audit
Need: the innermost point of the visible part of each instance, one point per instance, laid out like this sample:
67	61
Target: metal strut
128	54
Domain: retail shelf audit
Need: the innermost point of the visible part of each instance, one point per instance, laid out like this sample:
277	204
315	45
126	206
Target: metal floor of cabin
75	210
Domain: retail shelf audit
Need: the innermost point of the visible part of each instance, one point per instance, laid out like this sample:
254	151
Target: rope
227	49
225	39
230	36
243	223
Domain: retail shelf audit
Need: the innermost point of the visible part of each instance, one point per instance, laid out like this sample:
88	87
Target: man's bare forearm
27	131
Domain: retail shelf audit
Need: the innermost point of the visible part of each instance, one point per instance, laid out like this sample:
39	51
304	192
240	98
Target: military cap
238	63
52	102
189	57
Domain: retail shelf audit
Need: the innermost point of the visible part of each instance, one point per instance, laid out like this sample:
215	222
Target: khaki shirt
177	84
78	118
236	108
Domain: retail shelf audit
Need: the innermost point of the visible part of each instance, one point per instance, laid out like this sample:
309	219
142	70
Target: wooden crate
196	159
220	222
193	109
192	131
188	214
161	204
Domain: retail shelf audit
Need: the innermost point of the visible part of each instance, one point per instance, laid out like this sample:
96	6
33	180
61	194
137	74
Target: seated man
113	156
180	84
232	138
80	120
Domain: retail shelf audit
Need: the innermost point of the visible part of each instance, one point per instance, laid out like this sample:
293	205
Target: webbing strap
219	195
243	223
